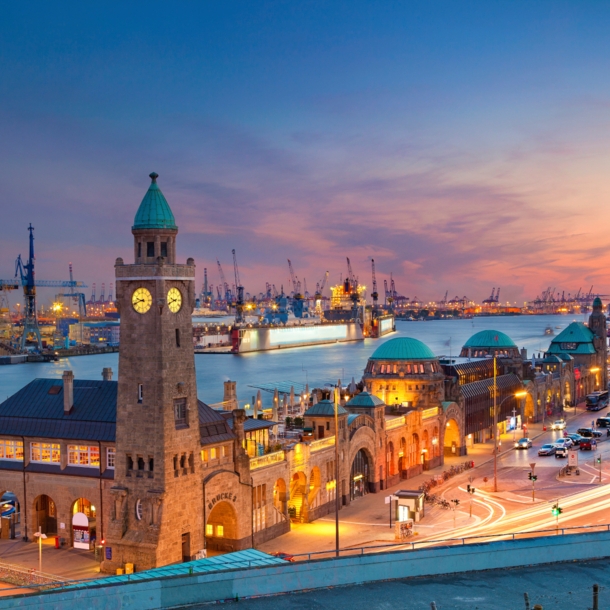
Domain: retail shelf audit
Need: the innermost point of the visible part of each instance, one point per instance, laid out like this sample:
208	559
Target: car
523	443
561	452
558	424
589	432
588	444
576	439
564	442
603	422
547	449
284	556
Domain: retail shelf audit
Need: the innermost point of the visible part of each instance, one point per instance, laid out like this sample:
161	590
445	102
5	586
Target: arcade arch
361	474
222	522
315	480
45	515
452	437
84	524
298	491
279	499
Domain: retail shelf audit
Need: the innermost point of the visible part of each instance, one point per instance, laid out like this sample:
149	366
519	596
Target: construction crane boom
374	294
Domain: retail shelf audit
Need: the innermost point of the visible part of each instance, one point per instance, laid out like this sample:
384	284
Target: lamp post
40	537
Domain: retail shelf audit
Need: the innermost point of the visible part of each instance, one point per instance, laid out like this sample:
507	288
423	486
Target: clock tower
156	513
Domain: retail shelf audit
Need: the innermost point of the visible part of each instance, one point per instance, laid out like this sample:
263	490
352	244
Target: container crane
374	294
223	281
76	297
295	284
239	301
25	277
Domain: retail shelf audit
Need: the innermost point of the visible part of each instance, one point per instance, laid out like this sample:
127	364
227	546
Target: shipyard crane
374	294
443	301
295	284
239	301
490	300
103	295
498	296
223	281
76	297
93	294
25	277
305	291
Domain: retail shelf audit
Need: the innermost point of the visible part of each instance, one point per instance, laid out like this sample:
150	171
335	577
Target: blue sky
463	145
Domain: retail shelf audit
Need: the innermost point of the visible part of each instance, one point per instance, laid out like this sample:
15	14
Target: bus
596	401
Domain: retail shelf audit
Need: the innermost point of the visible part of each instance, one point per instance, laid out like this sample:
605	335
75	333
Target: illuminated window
110	457
209	530
213	453
225	451
11	450
220	531
82	455
204	455
44	452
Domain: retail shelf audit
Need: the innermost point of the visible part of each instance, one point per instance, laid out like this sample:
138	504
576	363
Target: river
313	365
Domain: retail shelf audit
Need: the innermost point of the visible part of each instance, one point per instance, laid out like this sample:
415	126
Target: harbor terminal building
141	469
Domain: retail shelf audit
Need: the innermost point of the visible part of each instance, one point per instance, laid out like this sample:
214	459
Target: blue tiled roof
32	411
325	408
364	399
490	338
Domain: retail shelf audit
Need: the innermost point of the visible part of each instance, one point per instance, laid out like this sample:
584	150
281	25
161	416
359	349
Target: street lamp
40	537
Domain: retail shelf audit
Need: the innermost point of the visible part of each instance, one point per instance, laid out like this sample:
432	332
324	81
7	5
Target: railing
267	460
25	577
394	423
482	539
322	443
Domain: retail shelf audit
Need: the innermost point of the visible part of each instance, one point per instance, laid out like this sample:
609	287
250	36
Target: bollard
595	597
527	601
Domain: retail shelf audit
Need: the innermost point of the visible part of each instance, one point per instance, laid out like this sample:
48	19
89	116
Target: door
320	431
186	547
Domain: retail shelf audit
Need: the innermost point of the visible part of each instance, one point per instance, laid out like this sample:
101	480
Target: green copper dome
490	338
403	348
154	211
597	302
364	399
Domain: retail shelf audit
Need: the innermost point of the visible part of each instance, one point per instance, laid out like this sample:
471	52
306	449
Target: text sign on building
573	458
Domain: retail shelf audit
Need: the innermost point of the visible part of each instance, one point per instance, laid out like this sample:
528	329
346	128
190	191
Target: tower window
151	464
139	249
164	249
140	393
129	464
177	337
140	463
180	412
150	249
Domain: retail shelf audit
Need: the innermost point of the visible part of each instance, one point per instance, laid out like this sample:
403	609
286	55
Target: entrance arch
221	523
45	515
298	494
452	437
391	458
425	450
414	450
83	523
360	475
279	500
315	480
402	456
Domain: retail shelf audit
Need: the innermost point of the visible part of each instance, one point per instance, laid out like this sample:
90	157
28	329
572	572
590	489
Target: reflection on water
313	365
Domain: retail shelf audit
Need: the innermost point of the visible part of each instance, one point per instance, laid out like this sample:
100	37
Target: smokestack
107	373
68	379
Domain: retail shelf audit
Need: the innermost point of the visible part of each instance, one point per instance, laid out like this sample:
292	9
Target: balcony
267	460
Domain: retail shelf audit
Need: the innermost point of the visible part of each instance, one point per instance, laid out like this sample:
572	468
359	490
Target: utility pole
495	425
337	470
533	478
599	461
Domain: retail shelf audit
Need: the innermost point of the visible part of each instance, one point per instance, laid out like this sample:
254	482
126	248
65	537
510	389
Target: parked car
603	422
564	442
547	449
589	432
284	556
558	424
588	444
561	452
523	443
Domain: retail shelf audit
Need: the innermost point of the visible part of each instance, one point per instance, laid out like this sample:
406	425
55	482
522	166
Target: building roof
251	424
38	410
364	399
490	339
213	427
403	348
154	211
576	333
324	407
484	386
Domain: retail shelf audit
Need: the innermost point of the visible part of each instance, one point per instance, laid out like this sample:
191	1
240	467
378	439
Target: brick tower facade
598	326
156	516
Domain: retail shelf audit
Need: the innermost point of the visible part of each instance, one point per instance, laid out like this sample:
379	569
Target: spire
154	211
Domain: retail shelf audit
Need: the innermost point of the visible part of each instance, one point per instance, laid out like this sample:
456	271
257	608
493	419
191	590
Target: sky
462	145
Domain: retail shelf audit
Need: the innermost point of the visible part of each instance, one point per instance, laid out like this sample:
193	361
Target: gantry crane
25	277
374	294
225	285
239	301
77	297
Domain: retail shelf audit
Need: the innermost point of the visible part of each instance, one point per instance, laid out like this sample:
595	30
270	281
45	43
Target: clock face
174	300
141	300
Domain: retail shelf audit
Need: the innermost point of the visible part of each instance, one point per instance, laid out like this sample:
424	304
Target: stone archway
391	460
452	438
315	480
83	523
221	530
297	504
403	463
45	515
425	448
361	474
279	500
414	452
10	513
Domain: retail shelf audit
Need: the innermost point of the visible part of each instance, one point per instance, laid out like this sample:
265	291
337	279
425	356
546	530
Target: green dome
154	211
597	302
490	338
364	399
403	348
324	408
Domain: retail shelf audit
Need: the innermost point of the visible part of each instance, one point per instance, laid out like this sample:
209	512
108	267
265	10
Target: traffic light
529	474
599	459
557	510
470	489
532	477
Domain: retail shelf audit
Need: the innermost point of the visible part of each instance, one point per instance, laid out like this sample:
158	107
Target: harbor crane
76	297
239	301
225	285
297	296
374	294
25	278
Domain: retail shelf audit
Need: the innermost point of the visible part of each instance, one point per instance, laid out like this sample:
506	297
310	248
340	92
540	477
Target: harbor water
314	365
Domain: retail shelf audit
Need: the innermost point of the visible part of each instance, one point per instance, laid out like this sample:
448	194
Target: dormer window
150	249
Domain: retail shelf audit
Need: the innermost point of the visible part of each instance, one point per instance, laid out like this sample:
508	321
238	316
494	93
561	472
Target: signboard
404	529
573	458
109	553
388	499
